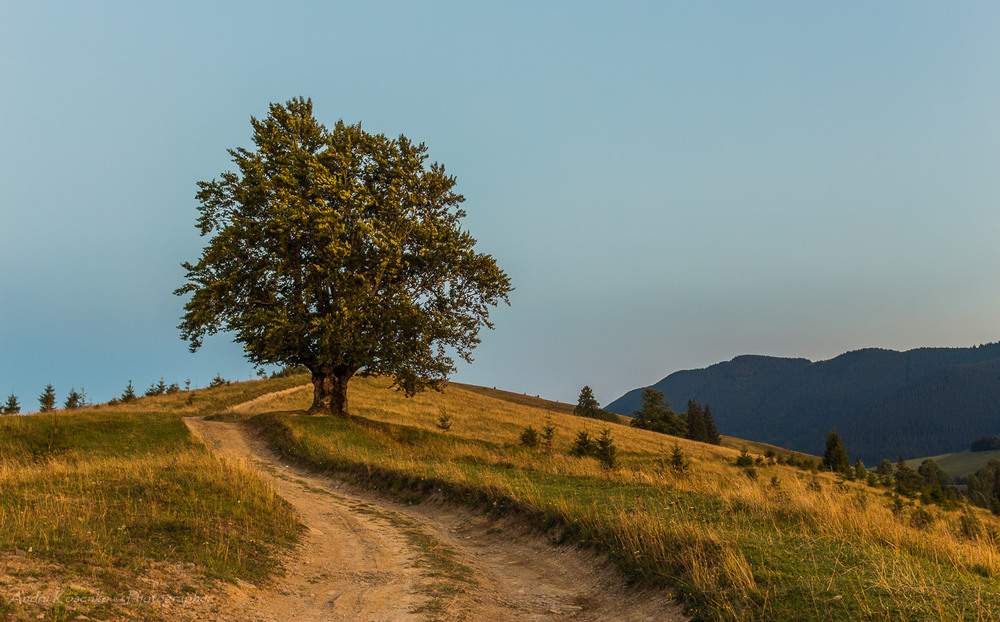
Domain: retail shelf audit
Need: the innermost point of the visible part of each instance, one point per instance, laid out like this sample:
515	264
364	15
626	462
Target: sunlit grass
782	544
97	497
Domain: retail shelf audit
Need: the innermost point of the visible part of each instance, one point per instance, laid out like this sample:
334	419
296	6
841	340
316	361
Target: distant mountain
921	402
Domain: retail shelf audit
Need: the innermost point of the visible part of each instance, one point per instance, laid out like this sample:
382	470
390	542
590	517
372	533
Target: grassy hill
960	464
770	542
764	542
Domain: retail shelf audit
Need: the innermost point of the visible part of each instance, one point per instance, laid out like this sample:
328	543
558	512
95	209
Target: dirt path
364	558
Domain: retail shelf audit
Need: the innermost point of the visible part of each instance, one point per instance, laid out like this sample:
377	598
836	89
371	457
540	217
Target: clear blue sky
669	184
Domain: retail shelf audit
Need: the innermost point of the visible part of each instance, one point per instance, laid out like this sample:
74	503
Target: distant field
961	464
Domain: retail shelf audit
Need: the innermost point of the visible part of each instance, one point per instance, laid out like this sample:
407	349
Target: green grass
98	499
736	548
960	464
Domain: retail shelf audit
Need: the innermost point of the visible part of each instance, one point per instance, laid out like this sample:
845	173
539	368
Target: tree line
696	423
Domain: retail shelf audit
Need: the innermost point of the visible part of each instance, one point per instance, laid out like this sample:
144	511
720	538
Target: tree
73	400
47	400
587	406
340	251
607	452
695	420
128	395
835	457
655	414
12	405
711	432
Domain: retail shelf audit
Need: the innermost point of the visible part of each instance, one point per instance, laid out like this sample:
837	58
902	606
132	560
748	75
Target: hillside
882	402
761	540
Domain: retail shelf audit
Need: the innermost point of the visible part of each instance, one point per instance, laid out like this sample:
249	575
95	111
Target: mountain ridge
883	402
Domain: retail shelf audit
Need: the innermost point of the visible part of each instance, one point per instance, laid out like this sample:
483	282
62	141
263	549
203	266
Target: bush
745	459
584	445
444	421
678	462
607	453
548	433
530	437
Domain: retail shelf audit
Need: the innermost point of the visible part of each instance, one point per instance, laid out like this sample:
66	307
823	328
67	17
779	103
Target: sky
668	184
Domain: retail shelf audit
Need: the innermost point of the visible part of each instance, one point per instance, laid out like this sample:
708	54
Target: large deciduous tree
340	251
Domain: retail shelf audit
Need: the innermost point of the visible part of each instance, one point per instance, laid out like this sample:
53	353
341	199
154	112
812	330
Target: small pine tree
607	452
678	461
12	406
218	381
548	433
444	421
835	457
530	437
73	400
128	395
47	400
859	469
173	388
584	445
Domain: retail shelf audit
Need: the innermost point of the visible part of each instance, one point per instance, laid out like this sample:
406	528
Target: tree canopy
340	251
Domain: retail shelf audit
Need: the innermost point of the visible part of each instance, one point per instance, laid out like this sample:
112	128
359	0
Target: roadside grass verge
103	499
768	543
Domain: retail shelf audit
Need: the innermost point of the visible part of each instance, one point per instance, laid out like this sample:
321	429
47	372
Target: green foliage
340	251
607	451
12	406
444	421
73	400
47	400
530	437
678	461
835	457
218	381
157	388
699	424
587	406
745	459
128	395
656	415
583	445
548	434
988	442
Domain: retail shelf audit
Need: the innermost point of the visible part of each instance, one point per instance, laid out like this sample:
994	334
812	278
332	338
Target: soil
366	558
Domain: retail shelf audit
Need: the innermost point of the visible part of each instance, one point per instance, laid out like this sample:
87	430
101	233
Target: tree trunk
330	390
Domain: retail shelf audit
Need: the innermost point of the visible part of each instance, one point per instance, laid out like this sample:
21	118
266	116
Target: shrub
607	453
444	421
584	445
678	461
530	437
548	433
745	459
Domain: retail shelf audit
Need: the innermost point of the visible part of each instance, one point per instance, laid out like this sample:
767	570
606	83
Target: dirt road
364	558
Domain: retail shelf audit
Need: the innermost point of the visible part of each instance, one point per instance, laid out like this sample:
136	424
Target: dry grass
101	499
784	545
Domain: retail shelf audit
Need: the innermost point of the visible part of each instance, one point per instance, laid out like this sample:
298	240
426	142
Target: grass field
101	502
960	464
768	543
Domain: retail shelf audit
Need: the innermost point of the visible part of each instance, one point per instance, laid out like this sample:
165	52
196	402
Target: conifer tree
695	420
656	415
47	400
128	395
73	400
607	452
12	406
588	406
835	457
711	433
